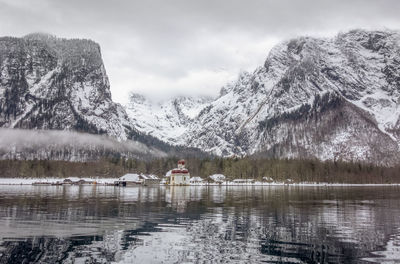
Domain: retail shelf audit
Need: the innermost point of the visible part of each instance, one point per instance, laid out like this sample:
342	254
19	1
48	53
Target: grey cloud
149	46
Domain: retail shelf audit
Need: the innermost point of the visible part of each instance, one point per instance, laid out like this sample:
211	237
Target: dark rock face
168	119
48	83
327	98
333	98
51	83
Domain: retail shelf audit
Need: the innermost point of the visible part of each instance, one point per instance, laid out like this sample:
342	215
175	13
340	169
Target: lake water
99	224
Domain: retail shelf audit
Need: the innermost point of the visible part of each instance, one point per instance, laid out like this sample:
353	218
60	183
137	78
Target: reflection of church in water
178	197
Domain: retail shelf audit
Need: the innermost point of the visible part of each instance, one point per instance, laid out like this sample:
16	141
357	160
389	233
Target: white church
180	175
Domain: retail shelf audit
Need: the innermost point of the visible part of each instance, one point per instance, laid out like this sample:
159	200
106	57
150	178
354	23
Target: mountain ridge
283	108
326	98
50	83
167	120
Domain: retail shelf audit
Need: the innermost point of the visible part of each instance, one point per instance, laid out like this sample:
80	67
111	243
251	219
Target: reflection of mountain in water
192	224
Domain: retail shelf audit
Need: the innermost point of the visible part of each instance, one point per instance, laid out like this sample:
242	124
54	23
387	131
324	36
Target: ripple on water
199	225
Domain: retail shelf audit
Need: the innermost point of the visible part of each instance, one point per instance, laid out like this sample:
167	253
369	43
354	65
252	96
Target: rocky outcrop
335	98
52	83
327	98
167	120
48	83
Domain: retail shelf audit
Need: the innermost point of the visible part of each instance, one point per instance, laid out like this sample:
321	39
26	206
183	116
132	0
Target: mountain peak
167	120
327	98
348	84
62	85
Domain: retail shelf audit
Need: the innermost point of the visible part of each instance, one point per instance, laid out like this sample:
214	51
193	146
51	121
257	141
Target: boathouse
132	179
196	180
217	178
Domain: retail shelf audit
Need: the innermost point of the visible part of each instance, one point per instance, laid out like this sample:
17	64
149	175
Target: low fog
74	146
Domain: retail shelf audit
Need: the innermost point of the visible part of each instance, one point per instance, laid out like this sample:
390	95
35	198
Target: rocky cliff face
48	83
333	98
326	98
51	83
167	120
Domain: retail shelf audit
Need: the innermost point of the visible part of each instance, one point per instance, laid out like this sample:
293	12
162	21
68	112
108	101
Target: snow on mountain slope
335	98
52	83
326	98
49	83
167	120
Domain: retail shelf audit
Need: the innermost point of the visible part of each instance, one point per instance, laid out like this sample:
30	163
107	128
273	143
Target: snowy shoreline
110	181
52	181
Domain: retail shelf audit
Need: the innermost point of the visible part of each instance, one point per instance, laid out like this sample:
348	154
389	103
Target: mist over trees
69	145
23	144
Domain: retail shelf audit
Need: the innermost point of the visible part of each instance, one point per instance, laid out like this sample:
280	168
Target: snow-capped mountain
330	98
52	83
326	98
49	83
167	120
335	98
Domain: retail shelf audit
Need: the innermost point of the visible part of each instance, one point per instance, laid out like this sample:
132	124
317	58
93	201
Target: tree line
298	170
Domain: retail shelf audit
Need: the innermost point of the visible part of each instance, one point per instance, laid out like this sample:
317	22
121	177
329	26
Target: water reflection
98	224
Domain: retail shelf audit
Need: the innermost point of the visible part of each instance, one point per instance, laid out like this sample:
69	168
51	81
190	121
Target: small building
149	179
267	179
180	175
217	178
130	179
195	180
133	179
67	181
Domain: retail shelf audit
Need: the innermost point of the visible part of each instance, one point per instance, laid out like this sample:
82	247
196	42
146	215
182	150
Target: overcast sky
167	47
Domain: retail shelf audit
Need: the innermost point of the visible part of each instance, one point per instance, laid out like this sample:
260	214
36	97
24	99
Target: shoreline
110	182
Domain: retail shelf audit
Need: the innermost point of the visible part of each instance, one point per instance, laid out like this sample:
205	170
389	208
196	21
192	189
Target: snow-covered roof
217	177
179	171
168	174
130	177
151	176
267	179
137	177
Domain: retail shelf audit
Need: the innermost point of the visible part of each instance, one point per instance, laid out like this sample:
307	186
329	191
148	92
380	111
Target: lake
277	224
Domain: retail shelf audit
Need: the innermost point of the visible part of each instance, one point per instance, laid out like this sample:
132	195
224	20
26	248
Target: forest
298	170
